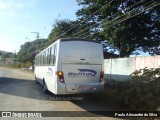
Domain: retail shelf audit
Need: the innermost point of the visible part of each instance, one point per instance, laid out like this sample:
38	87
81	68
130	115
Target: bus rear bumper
80	88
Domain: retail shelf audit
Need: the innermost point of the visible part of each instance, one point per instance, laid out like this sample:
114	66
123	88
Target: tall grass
141	93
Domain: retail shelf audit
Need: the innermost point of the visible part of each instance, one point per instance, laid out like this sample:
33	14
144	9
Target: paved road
19	92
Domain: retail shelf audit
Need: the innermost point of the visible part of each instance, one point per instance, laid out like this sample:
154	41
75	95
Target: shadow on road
22	88
30	89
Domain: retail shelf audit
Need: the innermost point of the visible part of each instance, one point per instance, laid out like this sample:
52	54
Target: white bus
71	66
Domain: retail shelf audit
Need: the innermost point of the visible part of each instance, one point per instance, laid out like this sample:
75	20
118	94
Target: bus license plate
82	87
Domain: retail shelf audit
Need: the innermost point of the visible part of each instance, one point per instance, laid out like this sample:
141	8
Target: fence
121	68
7	61
117	68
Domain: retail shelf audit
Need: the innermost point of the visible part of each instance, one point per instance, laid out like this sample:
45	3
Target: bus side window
44	60
52	56
37	60
48	56
45	57
40	60
55	53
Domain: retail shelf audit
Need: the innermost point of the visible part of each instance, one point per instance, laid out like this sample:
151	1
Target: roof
79	39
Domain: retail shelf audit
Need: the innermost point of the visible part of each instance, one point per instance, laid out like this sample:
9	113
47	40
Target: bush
141	92
26	64
17	65
146	74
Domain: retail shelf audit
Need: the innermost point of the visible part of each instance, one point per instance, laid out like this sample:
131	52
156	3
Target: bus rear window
81	49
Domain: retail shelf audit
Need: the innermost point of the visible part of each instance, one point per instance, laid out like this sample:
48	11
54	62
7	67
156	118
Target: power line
60	13
65	9
126	18
111	16
137	3
116	22
127	13
117	18
84	19
135	14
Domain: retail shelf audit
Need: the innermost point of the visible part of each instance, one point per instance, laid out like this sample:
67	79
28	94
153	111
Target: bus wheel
45	88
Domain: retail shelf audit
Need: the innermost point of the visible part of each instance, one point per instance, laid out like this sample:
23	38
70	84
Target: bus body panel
50	78
39	74
80	73
80	61
46	74
81	77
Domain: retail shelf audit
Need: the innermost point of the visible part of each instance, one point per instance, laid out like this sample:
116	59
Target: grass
141	93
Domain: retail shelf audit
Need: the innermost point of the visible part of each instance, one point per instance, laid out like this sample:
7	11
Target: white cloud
16	8
19	5
27	15
10	5
4	5
8	8
16	4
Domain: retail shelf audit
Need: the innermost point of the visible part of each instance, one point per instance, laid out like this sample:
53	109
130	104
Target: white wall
121	68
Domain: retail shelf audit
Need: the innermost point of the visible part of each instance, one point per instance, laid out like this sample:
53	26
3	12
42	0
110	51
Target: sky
20	18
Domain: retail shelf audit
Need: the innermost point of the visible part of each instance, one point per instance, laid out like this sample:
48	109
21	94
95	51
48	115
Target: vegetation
64	29
124	25
4	54
141	93
115	23
128	25
29	50
9	59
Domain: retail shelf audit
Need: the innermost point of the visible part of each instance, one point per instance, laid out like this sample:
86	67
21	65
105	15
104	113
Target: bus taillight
101	76
61	76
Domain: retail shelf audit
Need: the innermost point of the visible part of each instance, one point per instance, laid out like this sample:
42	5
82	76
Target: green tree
66	29
128	25
29	50
5	54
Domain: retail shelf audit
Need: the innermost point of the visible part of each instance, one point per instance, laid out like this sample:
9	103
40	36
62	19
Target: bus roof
78	39
70	39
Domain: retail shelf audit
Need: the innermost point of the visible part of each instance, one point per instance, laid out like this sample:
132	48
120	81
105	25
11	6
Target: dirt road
20	92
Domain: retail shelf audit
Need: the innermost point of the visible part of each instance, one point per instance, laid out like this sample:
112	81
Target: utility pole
37	37
37	34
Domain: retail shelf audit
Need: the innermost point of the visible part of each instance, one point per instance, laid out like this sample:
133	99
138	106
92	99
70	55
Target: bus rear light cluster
101	77
61	76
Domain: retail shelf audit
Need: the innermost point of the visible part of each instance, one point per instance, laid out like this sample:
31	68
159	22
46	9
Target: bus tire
45	90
